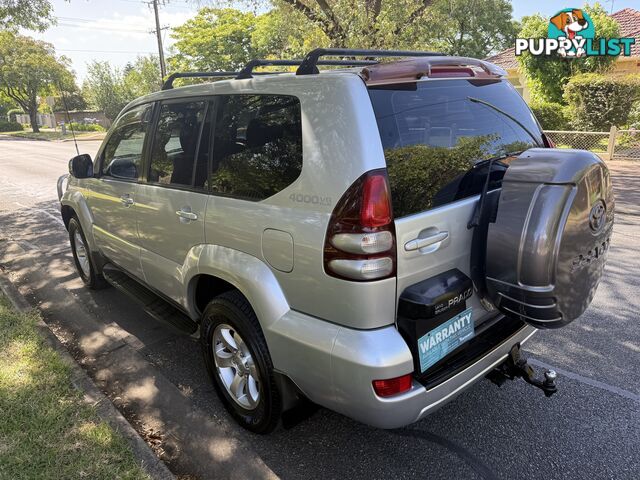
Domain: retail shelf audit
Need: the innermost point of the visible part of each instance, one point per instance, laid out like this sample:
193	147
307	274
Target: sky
120	30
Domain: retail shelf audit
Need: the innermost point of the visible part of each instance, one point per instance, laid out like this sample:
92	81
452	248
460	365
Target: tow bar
516	366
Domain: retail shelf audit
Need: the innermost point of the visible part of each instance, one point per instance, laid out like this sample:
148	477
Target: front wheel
82	257
239	363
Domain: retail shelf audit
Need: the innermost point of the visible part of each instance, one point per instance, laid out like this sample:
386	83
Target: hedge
9	126
598	102
552	116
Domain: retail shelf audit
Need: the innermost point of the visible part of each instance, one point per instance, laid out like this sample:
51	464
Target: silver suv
372	238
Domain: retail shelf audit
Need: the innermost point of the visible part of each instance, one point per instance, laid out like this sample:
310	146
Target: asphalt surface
590	428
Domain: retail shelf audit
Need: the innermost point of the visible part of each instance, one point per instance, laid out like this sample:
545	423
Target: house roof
627	18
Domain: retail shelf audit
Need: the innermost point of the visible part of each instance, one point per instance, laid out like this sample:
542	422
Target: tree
142	76
215	39
29	68
29	14
471	28
547	76
104	88
227	38
110	89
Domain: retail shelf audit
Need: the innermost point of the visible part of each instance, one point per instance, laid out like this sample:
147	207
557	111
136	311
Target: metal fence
627	145
612	145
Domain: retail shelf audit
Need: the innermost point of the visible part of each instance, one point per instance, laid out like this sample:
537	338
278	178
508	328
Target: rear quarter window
437	139
257	145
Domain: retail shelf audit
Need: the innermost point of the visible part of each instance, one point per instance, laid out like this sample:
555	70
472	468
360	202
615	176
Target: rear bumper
334	366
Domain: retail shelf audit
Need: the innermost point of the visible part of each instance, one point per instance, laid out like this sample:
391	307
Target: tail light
360	243
392	386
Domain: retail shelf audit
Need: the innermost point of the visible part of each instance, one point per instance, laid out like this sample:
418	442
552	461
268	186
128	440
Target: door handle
418	243
126	200
187	214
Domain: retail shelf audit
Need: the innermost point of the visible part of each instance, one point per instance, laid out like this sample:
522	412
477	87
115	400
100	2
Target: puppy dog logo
571	24
571	34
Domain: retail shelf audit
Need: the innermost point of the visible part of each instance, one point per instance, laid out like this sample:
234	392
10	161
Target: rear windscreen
438	134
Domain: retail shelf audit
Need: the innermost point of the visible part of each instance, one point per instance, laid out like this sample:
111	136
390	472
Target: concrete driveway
591	428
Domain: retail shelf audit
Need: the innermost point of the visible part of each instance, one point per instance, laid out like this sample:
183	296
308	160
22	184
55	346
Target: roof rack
168	83
312	59
247	71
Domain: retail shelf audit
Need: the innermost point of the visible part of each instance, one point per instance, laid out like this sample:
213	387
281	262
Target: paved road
591	428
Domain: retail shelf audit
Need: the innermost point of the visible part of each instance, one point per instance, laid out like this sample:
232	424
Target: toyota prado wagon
373	238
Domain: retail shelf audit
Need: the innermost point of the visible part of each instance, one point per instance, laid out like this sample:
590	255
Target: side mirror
81	166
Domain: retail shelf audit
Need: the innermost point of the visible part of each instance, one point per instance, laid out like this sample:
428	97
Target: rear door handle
126	200
187	214
418	243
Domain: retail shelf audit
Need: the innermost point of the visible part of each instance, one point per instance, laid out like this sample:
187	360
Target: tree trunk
33	118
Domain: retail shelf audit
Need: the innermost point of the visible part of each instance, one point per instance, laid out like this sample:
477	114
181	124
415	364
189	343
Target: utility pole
163	68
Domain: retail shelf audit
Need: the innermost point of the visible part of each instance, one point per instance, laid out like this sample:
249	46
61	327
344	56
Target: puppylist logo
571	34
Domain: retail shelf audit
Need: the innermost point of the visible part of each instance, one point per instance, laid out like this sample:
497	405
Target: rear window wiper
497	158
535	139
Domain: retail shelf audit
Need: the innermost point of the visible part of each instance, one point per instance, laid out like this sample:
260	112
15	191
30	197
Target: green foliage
142	76
552	116
597	102
418	172
28	14
226	38
471	28
9	126
29	68
110	89
86	127
547	76
215	39
634	116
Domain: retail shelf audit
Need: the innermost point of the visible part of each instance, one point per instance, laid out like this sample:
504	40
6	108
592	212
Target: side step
153	304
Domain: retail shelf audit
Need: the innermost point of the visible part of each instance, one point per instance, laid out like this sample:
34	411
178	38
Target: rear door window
257	148
178	156
438	134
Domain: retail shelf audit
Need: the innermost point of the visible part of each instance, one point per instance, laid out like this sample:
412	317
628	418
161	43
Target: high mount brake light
360	243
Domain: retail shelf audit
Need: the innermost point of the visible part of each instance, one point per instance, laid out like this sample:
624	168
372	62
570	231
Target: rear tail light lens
376	202
374	242
392	386
360	243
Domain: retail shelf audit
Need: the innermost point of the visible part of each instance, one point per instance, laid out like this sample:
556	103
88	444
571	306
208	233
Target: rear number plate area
445	338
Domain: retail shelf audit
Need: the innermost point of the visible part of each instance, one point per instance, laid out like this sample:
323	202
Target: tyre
82	257
238	362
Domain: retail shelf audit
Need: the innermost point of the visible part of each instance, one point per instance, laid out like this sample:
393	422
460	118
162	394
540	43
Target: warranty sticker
445	338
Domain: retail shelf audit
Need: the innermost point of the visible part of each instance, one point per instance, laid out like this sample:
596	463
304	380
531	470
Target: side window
257	145
178	157
122	156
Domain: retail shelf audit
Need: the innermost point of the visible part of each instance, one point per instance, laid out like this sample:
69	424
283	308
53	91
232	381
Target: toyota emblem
597	217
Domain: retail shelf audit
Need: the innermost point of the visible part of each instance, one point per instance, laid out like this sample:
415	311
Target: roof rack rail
312	59
247	71
168	83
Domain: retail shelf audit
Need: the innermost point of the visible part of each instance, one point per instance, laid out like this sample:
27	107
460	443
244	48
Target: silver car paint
331	337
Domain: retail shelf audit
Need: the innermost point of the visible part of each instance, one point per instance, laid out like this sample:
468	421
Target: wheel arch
220	269
72	204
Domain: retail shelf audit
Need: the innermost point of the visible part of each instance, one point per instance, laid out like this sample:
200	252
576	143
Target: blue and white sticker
445	338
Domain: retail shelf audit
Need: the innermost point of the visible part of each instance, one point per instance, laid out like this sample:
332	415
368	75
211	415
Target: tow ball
517	366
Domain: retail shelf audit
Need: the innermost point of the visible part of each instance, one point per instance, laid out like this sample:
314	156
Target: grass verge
46	429
55	135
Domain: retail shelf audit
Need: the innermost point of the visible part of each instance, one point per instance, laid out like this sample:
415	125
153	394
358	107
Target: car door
439	137
172	199
112	198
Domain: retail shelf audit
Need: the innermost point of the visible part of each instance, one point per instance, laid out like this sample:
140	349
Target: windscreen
437	136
